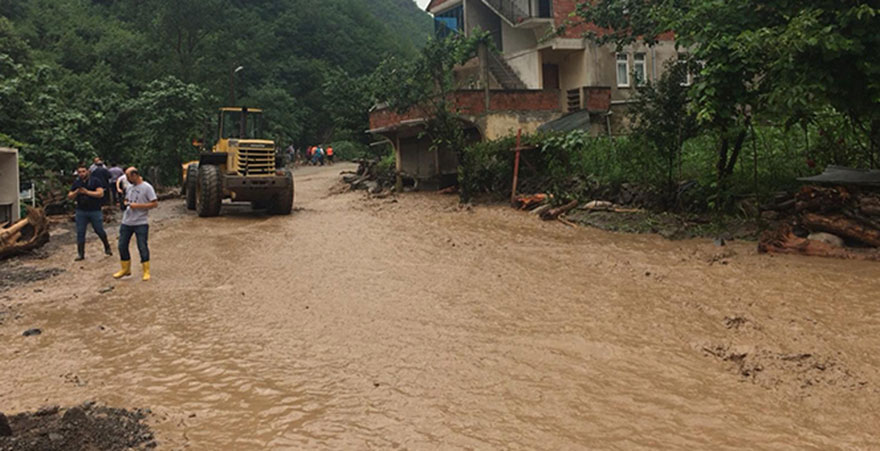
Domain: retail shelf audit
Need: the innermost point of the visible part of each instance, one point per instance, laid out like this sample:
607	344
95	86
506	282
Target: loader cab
238	123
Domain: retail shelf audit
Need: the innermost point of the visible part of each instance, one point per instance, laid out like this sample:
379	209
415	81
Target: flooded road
412	323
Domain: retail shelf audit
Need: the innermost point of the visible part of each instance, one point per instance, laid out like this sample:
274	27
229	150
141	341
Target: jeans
141	232
83	219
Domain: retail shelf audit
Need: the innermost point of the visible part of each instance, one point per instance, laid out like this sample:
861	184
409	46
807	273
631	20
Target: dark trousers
141	232
83	219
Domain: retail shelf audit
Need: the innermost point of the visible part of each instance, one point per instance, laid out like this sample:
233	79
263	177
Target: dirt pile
369	176
84	427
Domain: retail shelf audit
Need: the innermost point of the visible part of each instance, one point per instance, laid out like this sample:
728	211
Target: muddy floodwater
412	323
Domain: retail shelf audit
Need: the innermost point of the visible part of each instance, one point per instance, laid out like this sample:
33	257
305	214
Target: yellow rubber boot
126	270
146	271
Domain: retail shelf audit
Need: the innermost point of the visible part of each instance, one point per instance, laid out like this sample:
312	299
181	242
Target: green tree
662	117
171	114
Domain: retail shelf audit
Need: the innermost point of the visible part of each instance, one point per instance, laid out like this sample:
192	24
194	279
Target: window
622	70
688	77
449	22
232	125
640	69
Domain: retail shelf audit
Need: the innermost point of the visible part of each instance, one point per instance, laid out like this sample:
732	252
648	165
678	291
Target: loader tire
282	204
210	191
191	186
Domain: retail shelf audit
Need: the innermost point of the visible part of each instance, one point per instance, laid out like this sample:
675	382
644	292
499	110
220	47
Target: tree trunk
842	226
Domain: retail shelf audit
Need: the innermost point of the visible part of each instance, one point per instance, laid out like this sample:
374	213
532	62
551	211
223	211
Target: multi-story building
536	75
534	56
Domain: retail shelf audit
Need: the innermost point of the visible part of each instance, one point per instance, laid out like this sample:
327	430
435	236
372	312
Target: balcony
523	13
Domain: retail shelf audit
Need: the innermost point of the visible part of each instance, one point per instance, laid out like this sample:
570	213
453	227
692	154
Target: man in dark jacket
100	172
88	192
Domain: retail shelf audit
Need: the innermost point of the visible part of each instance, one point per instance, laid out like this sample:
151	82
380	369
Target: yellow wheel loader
240	166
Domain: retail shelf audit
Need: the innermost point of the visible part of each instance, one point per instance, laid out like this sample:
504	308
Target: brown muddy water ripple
372	324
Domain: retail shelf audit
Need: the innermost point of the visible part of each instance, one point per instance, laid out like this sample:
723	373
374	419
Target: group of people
318	155
314	155
96	186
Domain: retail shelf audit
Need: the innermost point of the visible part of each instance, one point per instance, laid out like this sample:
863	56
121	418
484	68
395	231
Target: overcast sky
422	3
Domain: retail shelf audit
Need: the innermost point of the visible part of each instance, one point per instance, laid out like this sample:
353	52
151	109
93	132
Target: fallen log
25	235
12	230
784	241
554	213
841	226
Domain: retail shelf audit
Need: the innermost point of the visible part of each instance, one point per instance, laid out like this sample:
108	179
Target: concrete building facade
537	75
10	208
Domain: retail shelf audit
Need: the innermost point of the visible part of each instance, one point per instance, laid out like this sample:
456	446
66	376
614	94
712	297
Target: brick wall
597	98
472	103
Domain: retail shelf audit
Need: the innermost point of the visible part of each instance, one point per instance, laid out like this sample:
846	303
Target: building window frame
622	62
689	75
441	28
640	63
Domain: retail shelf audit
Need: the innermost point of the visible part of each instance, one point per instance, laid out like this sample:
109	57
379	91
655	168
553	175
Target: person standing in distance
88	192
140	198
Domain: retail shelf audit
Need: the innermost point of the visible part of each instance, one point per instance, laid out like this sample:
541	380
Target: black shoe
79	258
108	252
80	252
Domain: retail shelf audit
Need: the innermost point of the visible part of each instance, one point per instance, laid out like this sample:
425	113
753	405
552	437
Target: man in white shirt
140	198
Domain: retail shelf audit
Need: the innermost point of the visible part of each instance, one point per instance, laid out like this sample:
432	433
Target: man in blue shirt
88	192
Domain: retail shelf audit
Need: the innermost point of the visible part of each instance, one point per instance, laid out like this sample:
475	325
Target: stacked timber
830	221
25	235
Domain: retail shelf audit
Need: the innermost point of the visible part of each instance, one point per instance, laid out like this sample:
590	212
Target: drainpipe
653	64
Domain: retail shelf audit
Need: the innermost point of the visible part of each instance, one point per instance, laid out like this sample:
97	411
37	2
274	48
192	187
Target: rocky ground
81	428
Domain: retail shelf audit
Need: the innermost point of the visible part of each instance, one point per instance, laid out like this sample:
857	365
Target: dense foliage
780	61
792	86
134	80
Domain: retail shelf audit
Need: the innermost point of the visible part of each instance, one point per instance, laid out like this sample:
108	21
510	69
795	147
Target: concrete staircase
504	74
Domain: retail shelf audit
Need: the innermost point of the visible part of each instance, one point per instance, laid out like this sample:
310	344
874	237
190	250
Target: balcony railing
518	11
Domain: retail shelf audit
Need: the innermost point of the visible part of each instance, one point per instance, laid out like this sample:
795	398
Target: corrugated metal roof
579	120
846	176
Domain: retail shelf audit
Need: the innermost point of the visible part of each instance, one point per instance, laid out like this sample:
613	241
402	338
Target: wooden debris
540	210
554	213
841	226
567	222
25	235
820	199
784	241
528	202
848	213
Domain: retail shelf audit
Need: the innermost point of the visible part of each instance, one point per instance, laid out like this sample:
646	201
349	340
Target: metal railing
516	11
